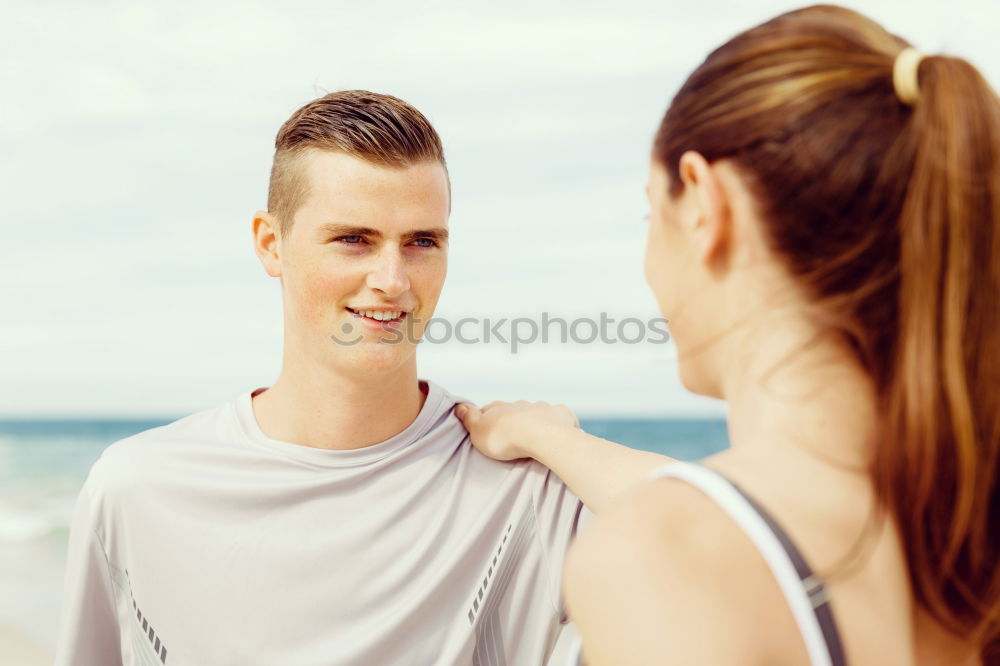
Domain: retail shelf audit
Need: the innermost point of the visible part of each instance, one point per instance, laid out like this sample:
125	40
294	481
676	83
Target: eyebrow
439	234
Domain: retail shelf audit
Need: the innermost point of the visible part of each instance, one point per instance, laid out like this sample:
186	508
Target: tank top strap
804	591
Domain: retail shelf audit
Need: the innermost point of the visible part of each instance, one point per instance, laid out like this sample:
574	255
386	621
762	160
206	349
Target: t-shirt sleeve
560	514
88	626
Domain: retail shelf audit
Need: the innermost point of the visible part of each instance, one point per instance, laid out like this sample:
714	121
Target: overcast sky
136	140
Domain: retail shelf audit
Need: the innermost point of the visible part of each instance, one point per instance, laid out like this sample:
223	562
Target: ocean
43	464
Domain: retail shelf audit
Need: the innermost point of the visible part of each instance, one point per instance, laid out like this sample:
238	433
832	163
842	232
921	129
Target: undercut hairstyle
380	129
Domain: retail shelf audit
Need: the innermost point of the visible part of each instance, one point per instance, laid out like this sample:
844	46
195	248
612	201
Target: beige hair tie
904	75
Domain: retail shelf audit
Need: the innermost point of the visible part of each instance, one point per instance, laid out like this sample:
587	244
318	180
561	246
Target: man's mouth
379	315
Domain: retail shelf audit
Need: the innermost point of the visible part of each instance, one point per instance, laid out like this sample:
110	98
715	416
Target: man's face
364	262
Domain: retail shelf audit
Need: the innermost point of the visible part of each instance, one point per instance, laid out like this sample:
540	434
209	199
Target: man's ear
267	242
710	221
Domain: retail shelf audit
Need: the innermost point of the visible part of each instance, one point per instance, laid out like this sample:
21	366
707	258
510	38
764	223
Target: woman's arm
595	469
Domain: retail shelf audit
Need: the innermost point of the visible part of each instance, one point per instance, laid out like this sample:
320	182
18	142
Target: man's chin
373	359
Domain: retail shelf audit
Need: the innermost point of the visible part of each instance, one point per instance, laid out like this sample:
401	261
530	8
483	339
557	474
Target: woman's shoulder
657	516
665	520
667	556
662	527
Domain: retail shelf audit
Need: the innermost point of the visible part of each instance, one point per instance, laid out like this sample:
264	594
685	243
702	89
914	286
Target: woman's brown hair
887	214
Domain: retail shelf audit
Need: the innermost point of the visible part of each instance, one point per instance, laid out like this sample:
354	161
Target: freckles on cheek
428	276
311	302
318	296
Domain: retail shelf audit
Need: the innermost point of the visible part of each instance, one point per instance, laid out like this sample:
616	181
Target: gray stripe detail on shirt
489	634
139	633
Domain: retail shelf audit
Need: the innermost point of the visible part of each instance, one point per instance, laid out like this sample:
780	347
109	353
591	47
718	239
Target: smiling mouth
380	316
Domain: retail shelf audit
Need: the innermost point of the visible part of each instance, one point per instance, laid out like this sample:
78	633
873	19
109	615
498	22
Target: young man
340	516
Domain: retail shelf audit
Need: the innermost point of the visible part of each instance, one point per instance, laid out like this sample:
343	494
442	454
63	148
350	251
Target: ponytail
938	462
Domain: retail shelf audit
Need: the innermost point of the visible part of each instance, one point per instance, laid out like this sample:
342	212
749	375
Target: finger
468	414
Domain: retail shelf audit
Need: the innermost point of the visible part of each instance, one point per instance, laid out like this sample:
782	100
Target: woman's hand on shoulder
511	430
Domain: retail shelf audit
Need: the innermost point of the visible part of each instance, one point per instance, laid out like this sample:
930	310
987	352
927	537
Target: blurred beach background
135	147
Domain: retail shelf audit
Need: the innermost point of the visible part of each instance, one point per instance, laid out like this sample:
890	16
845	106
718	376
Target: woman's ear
266	242
708	217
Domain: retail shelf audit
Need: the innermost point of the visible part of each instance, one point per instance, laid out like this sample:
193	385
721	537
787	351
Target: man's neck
327	411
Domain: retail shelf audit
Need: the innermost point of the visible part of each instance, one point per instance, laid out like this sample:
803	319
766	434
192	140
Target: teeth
380	315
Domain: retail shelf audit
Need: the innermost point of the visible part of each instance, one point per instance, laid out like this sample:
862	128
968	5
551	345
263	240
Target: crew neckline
247	421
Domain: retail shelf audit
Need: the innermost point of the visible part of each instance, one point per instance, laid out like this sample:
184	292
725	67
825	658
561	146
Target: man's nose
389	275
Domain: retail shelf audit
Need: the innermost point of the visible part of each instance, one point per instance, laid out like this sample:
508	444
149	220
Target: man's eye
425	242
350	240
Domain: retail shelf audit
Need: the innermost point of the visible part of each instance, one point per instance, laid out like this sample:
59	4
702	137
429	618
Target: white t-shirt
206	543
